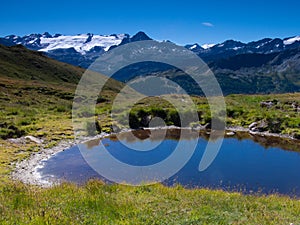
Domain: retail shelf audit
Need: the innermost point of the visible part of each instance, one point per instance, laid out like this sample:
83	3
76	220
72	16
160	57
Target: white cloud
207	24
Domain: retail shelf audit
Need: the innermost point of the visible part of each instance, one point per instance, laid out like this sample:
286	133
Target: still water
244	163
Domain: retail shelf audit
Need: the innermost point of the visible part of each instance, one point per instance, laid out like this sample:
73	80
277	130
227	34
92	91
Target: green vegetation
21	63
280	116
96	203
42	108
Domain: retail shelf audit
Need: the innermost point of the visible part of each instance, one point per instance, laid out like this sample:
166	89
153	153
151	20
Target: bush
174	118
11	132
158	112
134	121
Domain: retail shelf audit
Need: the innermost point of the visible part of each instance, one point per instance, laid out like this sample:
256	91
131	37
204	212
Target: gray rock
262	126
267	104
230	133
253	125
34	139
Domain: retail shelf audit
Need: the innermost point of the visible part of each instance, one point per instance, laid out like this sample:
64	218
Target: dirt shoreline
26	170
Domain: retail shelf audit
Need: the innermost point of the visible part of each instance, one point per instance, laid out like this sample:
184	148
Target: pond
245	163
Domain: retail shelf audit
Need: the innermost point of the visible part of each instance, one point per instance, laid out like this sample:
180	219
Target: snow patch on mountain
263	44
291	40
207	46
194	46
236	48
81	43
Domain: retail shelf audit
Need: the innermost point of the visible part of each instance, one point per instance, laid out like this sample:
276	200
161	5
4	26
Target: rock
252	132
115	128
230	133
252	125
34	139
20	140
146	120
262	126
200	127
294	105
267	104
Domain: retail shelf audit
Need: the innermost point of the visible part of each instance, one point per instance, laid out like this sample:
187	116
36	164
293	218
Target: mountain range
89	45
264	66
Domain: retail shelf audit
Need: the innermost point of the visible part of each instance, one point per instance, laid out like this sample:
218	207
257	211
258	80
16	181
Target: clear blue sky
182	22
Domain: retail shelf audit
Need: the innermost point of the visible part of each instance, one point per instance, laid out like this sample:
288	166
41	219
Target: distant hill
241	74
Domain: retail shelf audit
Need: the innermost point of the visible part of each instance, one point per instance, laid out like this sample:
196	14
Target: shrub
174	118
134	122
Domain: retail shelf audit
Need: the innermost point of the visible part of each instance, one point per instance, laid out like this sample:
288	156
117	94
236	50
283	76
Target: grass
48	116
241	110
20	63
282	118
95	203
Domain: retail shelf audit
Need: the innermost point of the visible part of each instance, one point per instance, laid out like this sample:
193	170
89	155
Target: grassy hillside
40	107
32	86
19	62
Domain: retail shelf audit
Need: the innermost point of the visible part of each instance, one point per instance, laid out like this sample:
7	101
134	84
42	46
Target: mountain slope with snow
291	40
263	66
80	50
83	49
82	43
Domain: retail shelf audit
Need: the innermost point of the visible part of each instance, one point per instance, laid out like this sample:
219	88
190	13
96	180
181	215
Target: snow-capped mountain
263	66
82	43
212	52
83	49
290	41
80	50
207	46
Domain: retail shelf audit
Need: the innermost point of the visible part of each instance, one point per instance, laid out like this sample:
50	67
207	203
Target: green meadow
42	107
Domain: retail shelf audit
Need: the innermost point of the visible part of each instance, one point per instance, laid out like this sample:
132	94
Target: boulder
231	133
267	104
34	139
262	126
146	120
252	125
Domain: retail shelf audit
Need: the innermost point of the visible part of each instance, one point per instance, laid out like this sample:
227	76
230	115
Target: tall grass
96	203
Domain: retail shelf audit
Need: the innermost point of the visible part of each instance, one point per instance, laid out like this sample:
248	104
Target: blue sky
182	22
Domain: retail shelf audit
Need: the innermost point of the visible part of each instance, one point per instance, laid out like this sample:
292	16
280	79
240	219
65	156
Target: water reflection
245	163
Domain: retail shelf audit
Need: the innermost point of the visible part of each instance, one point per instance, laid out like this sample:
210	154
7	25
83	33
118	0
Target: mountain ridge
264	66
86	44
